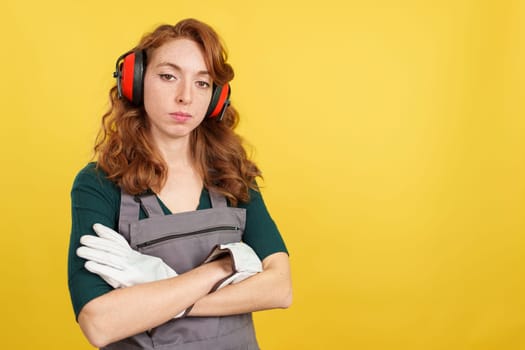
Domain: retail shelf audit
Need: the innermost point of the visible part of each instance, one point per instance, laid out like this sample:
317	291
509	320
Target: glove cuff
216	253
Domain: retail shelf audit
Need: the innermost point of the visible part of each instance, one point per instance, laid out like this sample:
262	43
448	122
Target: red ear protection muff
129	72
220	100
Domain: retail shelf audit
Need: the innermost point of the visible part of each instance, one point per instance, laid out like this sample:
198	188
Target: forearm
128	311
269	289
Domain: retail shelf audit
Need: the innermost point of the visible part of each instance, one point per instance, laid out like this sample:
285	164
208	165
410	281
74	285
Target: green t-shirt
95	199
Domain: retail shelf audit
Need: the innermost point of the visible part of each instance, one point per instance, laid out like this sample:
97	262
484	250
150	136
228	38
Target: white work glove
246	263
110	256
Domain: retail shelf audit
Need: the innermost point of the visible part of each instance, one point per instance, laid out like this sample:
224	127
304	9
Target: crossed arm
127	311
123	312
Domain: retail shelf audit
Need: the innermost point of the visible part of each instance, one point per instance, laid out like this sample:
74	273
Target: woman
173	178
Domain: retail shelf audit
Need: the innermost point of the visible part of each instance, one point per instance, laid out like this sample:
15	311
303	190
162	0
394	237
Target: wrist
224	266
223	269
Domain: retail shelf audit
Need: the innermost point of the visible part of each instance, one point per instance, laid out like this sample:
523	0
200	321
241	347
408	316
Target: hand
246	263
110	256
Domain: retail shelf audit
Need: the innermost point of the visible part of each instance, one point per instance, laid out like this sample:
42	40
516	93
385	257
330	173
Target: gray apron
183	241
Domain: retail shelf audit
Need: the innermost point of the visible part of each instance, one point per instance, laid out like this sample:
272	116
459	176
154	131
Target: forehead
181	52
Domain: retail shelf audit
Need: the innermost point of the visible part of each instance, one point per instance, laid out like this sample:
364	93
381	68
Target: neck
176	152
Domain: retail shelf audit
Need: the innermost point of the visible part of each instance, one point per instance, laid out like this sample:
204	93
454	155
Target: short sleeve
261	232
93	199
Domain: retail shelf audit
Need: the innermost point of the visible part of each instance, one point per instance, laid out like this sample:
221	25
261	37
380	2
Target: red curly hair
128	156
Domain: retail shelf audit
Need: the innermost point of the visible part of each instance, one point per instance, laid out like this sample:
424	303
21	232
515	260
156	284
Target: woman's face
177	89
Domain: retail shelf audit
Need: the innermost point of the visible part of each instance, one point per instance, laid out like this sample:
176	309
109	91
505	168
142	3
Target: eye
167	77
203	84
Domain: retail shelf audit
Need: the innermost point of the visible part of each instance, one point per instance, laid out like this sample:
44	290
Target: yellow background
391	136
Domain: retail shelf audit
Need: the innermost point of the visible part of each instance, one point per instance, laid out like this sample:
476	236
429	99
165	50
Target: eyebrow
174	66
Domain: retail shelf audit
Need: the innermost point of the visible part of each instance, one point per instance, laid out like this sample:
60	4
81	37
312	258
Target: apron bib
183	241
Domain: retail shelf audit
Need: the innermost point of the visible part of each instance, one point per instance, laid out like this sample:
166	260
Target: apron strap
150	204
129	212
217	200
130	209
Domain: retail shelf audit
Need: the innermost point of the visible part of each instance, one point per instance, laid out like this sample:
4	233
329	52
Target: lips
180	116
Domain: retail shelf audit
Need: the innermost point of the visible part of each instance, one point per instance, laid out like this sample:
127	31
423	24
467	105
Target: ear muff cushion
138	77
219	101
132	76
126	76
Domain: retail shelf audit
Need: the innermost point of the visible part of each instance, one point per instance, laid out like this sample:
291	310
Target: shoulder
92	178
90	171
91	174
255	206
255	199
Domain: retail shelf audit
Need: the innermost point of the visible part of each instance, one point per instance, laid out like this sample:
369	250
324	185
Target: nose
183	95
